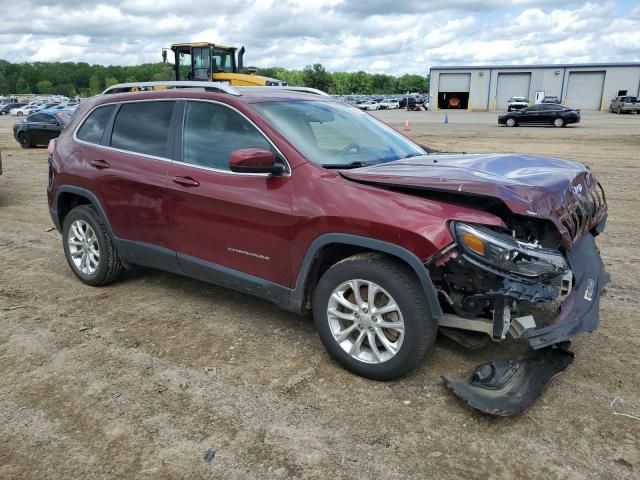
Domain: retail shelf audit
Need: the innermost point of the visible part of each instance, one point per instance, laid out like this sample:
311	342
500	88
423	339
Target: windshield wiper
346	165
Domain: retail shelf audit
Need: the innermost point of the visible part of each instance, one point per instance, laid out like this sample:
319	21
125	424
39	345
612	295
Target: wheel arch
68	197
330	248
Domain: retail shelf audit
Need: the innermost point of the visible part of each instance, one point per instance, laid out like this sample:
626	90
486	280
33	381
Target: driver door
226	223
201	58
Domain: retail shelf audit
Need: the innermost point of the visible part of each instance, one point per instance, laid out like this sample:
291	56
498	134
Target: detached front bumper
580	311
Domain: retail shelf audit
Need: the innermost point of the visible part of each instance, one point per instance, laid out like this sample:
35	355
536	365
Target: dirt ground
141	378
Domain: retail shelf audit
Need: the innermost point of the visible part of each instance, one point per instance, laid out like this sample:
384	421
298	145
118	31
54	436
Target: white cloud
390	36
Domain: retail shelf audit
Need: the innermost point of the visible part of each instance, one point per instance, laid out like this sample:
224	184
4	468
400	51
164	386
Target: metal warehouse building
589	86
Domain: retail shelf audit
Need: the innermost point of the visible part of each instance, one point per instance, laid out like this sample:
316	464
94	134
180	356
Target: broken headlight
507	253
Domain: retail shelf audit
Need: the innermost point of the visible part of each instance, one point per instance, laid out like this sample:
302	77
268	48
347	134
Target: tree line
72	79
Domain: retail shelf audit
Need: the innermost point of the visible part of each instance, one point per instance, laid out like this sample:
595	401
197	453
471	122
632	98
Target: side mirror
255	160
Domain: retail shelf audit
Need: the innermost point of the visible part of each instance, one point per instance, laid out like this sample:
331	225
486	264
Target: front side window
333	134
143	127
212	132
94	126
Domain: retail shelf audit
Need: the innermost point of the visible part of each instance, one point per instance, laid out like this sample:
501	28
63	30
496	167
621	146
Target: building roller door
511	85
454	82
584	90
453	90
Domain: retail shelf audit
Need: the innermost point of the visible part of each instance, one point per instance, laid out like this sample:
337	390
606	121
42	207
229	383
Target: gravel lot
141	378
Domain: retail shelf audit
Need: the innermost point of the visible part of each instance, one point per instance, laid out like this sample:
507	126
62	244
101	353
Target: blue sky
385	36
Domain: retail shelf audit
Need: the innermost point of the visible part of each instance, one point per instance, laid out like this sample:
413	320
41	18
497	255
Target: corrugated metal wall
553	80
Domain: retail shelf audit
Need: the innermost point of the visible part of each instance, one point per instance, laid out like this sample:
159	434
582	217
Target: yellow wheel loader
204	61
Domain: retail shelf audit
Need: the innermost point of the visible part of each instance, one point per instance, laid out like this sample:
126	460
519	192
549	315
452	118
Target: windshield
334	134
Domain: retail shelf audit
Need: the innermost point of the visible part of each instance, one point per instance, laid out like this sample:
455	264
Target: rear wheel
19	114
511	122
89	248
559	122
619	110
372	316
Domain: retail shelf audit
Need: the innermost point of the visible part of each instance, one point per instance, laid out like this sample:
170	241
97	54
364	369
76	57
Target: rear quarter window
94	126
143	127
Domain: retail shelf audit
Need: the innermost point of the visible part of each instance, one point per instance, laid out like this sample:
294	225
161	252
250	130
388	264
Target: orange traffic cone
406	127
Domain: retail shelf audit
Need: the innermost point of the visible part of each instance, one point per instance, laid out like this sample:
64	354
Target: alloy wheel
511	122
558	122
365	321
84	247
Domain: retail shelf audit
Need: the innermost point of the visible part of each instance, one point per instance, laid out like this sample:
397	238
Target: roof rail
165	85
293	88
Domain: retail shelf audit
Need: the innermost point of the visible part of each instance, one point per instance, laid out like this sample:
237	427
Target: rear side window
143	127
93	127
36	118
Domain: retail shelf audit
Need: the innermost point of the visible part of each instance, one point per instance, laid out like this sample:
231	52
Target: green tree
95	84
316	76
22	86
44	86
4	85
110	81
413	84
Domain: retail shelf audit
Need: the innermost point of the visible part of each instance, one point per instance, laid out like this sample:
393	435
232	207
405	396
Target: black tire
401	283
513	121
19	114
560	124
24	140
619	111
109	265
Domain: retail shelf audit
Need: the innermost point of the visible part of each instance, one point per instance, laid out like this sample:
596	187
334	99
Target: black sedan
40	127
541	114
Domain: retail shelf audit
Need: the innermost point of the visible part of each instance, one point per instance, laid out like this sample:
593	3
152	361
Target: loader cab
201	61
209	62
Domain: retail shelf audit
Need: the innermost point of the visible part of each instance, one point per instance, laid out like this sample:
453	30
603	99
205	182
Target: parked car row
22	109
366	102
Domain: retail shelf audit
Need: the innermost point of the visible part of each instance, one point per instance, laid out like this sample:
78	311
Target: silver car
625	104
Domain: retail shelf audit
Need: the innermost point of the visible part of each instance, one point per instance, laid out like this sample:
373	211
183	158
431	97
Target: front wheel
511	122
559	122
372	316
619	110
19	114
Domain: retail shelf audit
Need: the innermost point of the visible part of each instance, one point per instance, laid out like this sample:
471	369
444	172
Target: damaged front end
500	284
495	283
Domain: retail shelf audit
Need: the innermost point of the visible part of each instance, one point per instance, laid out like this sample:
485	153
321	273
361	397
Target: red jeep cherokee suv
319	207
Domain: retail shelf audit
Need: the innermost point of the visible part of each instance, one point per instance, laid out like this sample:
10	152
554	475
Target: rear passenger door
128	149
225	220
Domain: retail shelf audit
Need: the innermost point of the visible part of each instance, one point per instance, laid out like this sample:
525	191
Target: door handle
100	164
186	181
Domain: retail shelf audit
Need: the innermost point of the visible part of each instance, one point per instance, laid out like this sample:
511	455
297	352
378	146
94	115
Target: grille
587	210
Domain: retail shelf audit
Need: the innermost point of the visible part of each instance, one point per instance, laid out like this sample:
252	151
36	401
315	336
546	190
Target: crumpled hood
565	192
